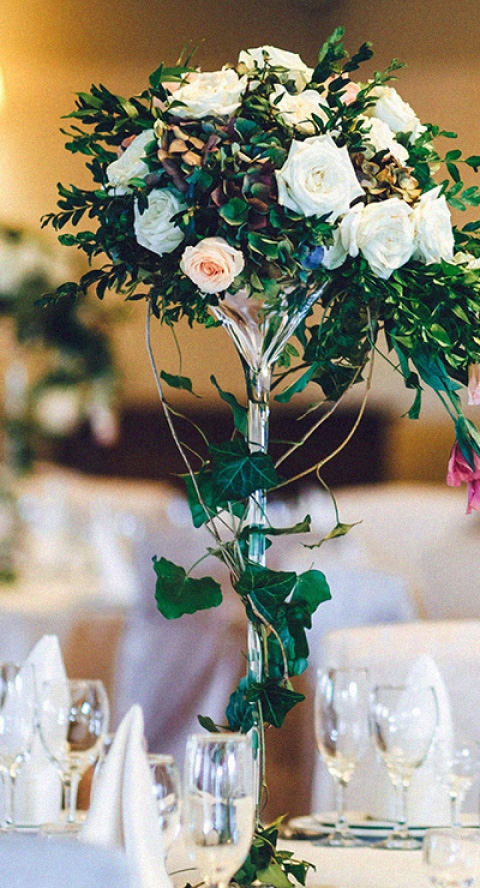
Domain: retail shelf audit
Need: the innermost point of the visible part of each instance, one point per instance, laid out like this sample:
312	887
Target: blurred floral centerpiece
307	213
72	379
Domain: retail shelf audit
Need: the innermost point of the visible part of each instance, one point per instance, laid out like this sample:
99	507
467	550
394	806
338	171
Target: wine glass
166	785
17	727
104	749
457	774
342	735
451	857
404	721
73	720
218	807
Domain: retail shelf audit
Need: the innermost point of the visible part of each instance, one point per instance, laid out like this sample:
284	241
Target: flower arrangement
307	212
78	380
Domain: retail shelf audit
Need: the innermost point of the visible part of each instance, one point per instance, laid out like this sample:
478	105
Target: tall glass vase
259	335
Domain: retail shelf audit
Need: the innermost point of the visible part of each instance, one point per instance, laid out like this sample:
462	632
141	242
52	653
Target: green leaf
301	527
209	725
238	410
433	372
311	590
299	385
212	503
237	473
235	212
275	876
178	382
177	594
275	699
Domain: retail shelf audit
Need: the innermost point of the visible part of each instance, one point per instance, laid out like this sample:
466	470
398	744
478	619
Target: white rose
131	164
59	409
318	179
297	111
382	138
216	94
399	115
467	259
335	255
433	228
212	264
296	70
383	232
154	228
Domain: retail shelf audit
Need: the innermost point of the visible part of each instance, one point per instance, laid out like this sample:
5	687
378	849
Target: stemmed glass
166	786
17	727
73	719
457	775
404	721
342	735
451	857
218	808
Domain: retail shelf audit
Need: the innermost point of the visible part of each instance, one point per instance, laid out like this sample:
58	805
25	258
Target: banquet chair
389	653
37	862
177	669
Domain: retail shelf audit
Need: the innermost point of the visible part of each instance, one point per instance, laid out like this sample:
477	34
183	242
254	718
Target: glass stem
401	829
8	779
341	821
70	788
454	810
258	393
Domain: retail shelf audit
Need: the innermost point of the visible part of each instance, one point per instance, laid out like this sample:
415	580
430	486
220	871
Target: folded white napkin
428	802
38	790
124	811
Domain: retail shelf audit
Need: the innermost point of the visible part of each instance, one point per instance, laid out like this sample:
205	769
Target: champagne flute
451	857
17	727
218	807
166	786
342	735
73	720
404	721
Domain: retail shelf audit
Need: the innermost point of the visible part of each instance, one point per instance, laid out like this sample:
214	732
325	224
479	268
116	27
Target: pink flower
460	471
474	384
349	92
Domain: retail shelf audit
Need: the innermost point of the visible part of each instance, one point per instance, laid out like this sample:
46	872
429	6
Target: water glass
218	807
73	720
342	735
404	722
457	775
451	857
17	727
166	785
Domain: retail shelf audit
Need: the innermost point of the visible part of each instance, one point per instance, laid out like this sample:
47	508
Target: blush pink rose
474	384
460	471
212	264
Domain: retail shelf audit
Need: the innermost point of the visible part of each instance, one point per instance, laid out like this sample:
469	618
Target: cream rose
433	228
297	111
296	70
399	115
335	255
383	232
467	259
212	264
382	138
154	228
216	94
318	179
131	164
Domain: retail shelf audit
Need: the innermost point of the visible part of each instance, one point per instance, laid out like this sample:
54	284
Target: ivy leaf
177	594
209	725
212	503
178	382
299	385
275	699
311	590
275	876
267	588
238	473
301	527
238	410
340	529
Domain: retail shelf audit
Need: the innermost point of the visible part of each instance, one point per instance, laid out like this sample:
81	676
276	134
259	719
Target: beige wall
51	48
